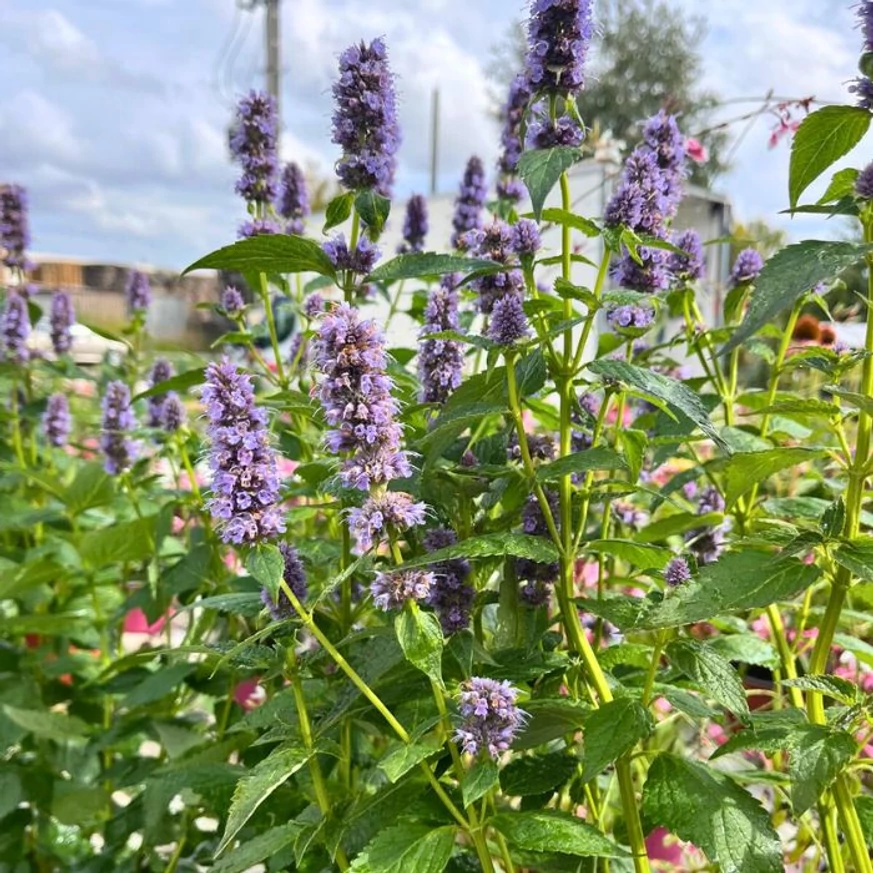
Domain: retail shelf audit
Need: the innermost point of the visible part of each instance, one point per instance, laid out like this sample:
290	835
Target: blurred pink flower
249	694
135	622
696	150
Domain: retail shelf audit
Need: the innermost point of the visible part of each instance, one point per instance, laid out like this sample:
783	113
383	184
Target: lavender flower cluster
747	267
630	318
294	577
253	145
689	265
414	225
61	321
392	589
138	291
356	396
165	411
490	717
365	118
470	201
862	86
245	485
451	594
381	512
559	32
57	421
508	185
537	577
293	203
15	328
119	450
14	230
707	544
440	361
359	262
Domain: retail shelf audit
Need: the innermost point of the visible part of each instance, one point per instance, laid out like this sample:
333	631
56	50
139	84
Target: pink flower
135	622
696	150
249	694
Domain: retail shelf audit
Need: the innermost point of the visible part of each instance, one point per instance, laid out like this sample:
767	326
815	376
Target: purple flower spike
558	35
14	231
61	319
253	145
232	301
175	415
360	262
563	132
391	590
258	227
369	524
496	242
650	276
508	322
56	422
490	719
707	544
119	451
663	138
356	396
862	86
161	372
690	266
639	201
293	203
451	595
440	361
746	267
365	118
526	237
414	225
313	306
139	292
864	183
245	485
513	119
295	578
15	329
630	317
677	572
470	200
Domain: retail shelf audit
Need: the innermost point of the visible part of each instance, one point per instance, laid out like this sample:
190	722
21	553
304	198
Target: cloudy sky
114	112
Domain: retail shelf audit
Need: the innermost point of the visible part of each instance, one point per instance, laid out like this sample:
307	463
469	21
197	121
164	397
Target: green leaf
823	137
256	786
540	169
577	222
81	805
842	185
158	685
678	523
522	777
817	754
421	638
126	542
747	648
642	555
832	686
600	458
494	545
338	210
268	253
712	672
610	731
707	808
267	566
479	779
864	805
400	760
373	209
634	443
46	725
675	394
834	519
407	848
550	718
11	791
257	849
857	557
738	581
788	275
550	830
418	264
181	382
745	470
92	487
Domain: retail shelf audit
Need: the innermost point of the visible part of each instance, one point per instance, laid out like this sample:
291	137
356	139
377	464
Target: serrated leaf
745	470
540	169
634	443
257	849
831	686
857	557
842	185
180	382
548	719
46	725
407	848
91	488
256	786
737	581
268	253
159	684
402	758
675	394
373	209
823	137
338	210
479	779
600	458
421	638
610	731
569	219
642	555
678	523
712	672
788	275
708	809
554	831
747	648
522	777
266	565
420	264
503	545
834	518
816	756
125	542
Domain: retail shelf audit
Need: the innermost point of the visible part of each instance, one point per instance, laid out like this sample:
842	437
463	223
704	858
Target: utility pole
273	53
434	139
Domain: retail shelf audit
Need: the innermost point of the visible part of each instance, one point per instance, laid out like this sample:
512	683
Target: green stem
271	326
652	672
